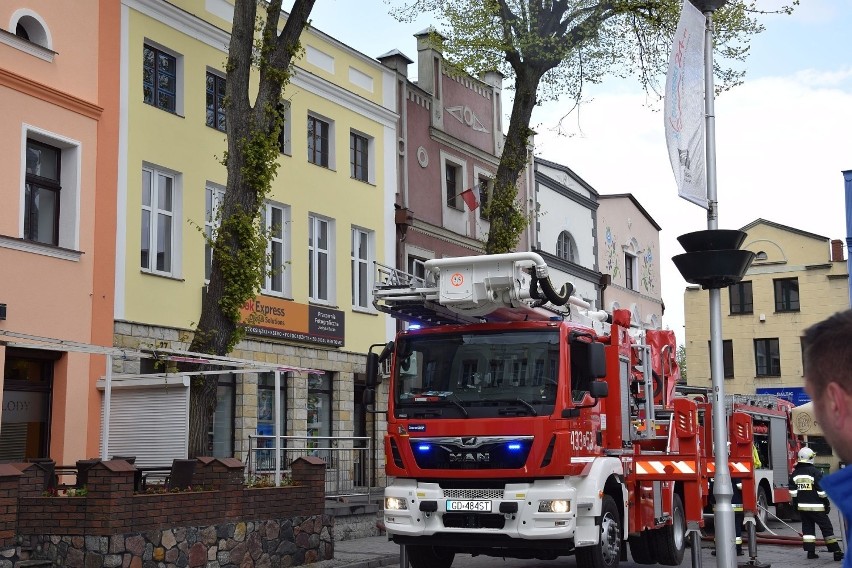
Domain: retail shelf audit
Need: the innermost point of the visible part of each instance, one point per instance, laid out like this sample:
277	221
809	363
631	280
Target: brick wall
111	507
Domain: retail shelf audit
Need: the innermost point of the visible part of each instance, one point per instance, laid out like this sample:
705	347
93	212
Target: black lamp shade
712	239
714	268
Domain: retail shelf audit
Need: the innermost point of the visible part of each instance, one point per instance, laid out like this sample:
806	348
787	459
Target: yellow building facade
327	214
796	279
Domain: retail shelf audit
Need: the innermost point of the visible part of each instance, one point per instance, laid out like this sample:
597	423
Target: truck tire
669	542
640	548
762	506
429	556
607	552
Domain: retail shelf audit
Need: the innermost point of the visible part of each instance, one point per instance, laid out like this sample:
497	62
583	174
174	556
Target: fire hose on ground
769	537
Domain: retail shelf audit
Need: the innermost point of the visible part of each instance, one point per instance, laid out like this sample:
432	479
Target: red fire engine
522	423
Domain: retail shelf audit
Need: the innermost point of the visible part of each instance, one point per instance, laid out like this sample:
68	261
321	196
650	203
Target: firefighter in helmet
812	504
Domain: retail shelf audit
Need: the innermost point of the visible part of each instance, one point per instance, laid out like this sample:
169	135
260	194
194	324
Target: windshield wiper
529	406
457	404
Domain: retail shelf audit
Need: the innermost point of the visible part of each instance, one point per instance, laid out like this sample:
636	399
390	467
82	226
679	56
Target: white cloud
781	144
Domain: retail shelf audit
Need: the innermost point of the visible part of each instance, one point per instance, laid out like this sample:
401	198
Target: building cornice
49	94
448	236
565	191
189	24
337	94
453	142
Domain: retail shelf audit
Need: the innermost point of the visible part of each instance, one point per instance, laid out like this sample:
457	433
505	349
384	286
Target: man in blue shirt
827	348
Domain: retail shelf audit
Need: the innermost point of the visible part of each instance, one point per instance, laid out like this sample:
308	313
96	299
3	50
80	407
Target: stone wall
222	524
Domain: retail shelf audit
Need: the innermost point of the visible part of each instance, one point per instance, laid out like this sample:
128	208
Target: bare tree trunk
507	220
252	131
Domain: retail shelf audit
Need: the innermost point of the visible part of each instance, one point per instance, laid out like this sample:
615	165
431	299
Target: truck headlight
554	506
395	504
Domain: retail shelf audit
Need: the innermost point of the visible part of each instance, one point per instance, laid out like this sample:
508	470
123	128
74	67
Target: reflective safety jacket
805	488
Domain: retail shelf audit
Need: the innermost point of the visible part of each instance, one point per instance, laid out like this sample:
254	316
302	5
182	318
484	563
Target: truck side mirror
597	361
372	370
369	397
599	389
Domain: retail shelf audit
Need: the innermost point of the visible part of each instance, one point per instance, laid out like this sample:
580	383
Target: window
362	260
159	79
31	27
215	101
358	156
222	427
451	178
277	219
786	294
483	197
767	358
284	135
727	357
565	247
741	298
320	240
629	271
42	193
318	138
213	197
25	428
319	414
266	417
158	221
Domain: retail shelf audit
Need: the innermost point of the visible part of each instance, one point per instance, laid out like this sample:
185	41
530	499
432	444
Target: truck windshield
471	375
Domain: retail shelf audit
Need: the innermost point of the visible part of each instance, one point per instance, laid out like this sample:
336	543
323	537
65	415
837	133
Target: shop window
266	418
319	415
27	387
222	429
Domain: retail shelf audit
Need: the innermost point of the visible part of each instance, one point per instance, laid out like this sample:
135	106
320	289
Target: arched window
566	249
31	27
761	256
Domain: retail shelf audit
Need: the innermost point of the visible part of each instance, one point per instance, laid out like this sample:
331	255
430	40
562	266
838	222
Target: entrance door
25	426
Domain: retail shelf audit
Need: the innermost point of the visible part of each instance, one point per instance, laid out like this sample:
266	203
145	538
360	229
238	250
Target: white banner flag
684	106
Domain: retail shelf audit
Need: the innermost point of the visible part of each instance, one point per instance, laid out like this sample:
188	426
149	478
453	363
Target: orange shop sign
283	319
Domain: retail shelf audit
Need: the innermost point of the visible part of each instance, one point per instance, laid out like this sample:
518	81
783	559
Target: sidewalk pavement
368	552
773	548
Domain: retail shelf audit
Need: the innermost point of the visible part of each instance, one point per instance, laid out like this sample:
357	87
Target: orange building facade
59	70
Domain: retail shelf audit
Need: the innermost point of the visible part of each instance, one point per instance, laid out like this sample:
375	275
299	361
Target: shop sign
283	319
23	407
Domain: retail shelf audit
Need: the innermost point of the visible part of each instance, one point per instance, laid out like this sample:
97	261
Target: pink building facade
58	130
450	142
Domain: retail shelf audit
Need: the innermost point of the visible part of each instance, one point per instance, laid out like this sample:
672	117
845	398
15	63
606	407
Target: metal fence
348	459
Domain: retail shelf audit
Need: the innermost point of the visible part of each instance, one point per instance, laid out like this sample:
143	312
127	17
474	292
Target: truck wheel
607	552
430	557
669	542
640	548
762	506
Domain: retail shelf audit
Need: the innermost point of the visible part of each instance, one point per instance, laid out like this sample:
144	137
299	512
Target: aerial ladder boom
468	289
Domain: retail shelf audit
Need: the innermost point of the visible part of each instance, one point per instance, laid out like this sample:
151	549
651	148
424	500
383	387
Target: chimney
396	60
837	250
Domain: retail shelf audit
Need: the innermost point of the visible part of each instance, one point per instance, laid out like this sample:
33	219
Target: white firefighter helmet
806	455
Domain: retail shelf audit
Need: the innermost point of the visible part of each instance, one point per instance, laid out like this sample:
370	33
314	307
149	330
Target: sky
783	138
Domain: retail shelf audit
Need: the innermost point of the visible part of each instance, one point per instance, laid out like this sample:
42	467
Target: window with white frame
320	261
452	181
630	271
566	249
160	226
362	260
49	193
276	279
213	196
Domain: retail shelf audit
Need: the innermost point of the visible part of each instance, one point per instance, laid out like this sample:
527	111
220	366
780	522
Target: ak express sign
283	319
